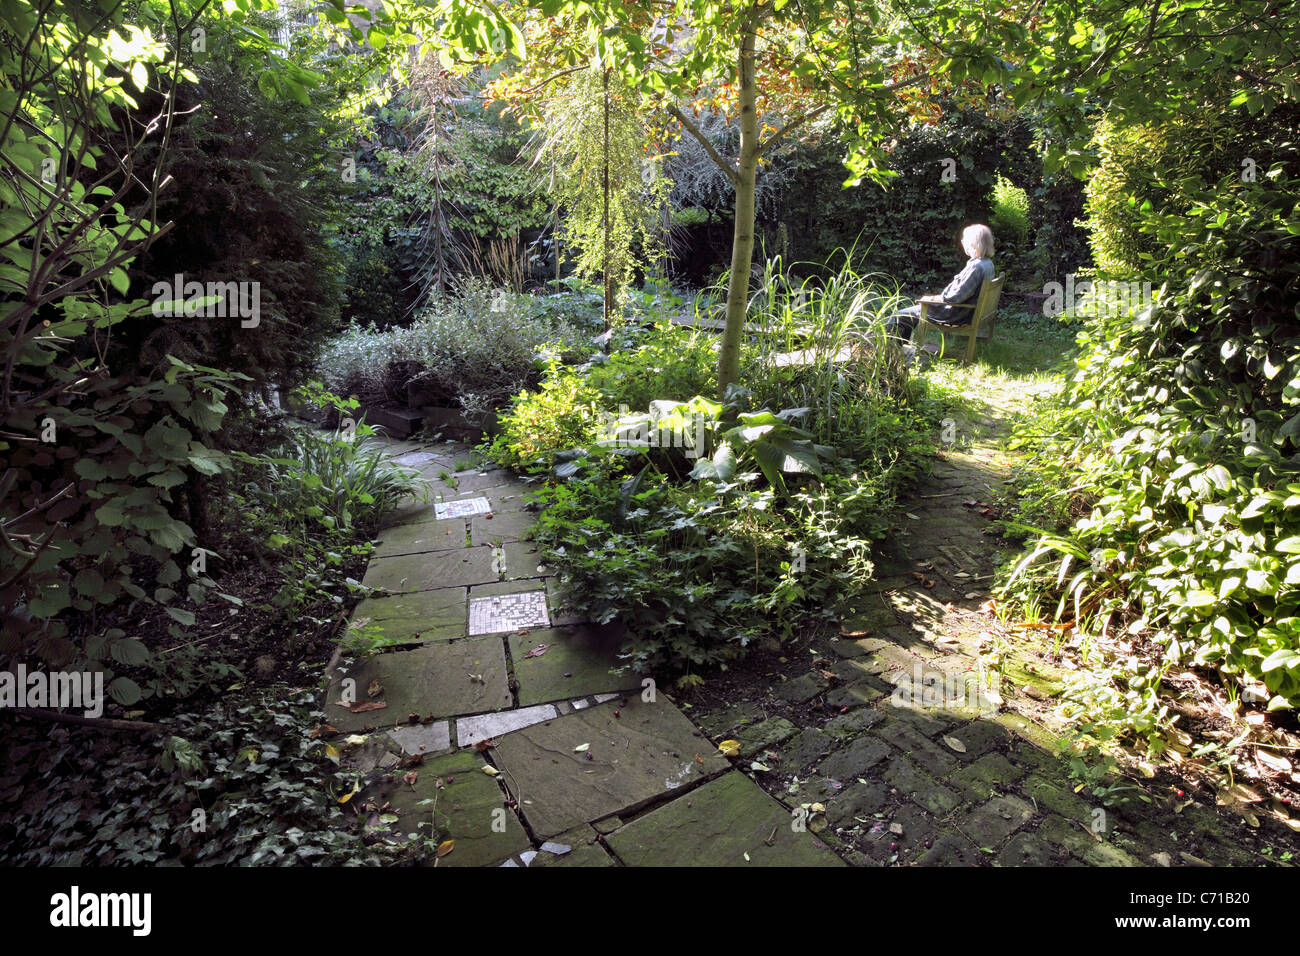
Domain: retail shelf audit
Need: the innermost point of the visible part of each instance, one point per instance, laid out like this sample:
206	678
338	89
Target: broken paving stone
414	618
640	756
577	662
437	680
576	847
467	802
471	730
422	738
719	824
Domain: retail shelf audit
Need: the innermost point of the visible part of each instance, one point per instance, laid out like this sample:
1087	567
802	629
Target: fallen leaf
445	847
483	746
955	744
581	748
729	748
361	706
375	688
538	651
490	770
761	767
332	751
410	777
1273	762
323	729
355	740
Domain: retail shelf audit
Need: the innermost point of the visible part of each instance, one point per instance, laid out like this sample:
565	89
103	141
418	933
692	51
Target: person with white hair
977	243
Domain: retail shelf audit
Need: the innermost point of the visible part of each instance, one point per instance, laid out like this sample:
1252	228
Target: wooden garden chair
986	308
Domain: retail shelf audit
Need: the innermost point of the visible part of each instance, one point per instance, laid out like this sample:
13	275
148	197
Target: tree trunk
742	244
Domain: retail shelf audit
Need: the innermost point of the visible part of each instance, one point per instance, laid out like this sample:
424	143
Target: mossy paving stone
978	737
1058	799
921	750
721	723
855	760
501	528
717	825
465	810
576	662
407	618
856	694
471	484
431	681
646	752
951	849
765	735
988	775
990	824
921	787
1026	849
420	537
807	748
437	569
859	800
801	689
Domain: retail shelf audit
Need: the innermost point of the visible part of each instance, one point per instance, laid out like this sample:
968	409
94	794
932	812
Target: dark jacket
964	288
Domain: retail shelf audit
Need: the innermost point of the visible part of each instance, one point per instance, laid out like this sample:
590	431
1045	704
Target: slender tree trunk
742	245
608	305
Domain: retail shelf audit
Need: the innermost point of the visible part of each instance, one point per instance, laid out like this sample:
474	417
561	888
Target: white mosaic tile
499	613
470	730
461	508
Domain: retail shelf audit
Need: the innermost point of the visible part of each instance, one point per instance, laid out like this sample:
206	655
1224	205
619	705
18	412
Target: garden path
496	719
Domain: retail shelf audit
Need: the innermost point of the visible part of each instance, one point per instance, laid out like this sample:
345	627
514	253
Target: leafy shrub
698	571
1185	419
474	348
264	784
664	362
561	415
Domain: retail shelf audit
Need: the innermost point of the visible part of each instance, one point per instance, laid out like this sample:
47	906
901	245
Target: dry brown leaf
445	847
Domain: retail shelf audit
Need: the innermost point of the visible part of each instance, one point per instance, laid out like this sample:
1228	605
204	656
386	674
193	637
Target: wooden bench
985	309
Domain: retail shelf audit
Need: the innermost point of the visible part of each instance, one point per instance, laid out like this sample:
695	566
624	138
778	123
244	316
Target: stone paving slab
508	498
470	730
522	560
407	618
418	537
437	680
643	754
438	569
467	806
422	738
561	615
500	528
718	824
576	662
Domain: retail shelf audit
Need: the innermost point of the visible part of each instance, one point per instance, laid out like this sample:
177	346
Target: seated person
977	243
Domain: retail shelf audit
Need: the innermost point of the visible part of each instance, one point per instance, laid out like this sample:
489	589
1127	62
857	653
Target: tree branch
714	155
793	124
